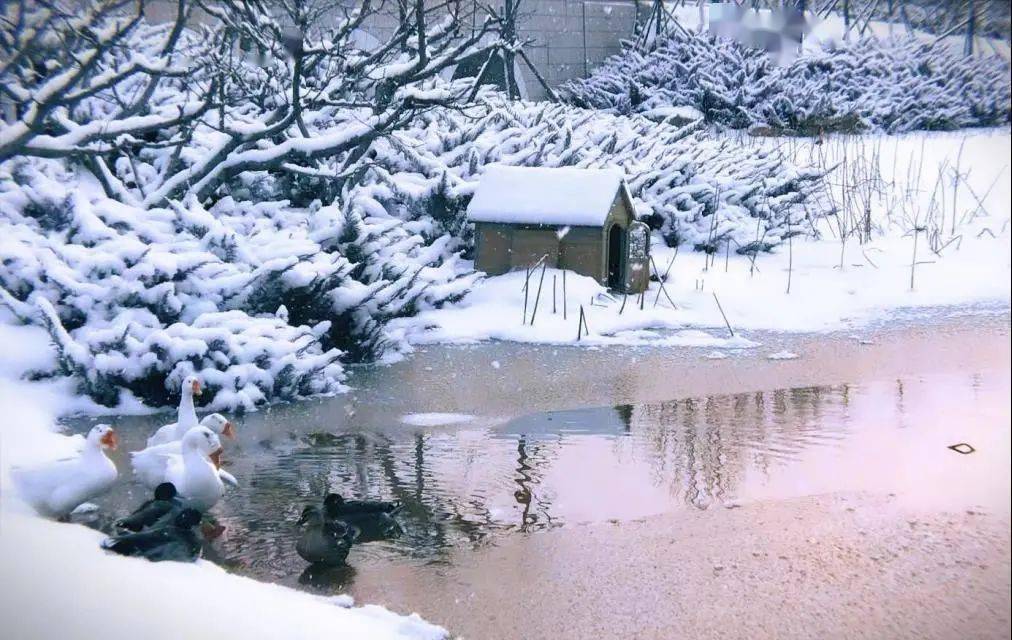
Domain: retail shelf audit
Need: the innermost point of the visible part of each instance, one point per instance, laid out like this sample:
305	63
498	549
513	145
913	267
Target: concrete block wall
566	38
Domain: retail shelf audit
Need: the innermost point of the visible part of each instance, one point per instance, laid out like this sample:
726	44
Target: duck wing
324	544
164	435
227	478
148	514
151	465
183	547
41	484
133	544
370	506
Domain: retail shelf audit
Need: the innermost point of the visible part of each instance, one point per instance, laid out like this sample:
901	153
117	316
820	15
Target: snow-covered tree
81	79
285	85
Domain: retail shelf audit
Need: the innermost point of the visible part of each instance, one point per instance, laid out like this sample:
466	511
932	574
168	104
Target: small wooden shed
582	219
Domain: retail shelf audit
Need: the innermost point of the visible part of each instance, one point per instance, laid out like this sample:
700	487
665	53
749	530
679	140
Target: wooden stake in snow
564	303
664	278
581	324
554	279
660	281
537	298
721	309
527	282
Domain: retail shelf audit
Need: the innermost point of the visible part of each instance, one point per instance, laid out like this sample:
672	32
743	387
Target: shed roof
545	195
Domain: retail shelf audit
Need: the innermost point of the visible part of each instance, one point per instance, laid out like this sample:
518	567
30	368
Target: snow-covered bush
895	85
261	299
697	190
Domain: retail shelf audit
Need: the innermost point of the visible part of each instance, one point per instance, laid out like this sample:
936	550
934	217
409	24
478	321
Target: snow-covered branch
65	58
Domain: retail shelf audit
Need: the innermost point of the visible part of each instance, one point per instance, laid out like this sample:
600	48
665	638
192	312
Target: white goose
56	488
186	418
191	470
148	458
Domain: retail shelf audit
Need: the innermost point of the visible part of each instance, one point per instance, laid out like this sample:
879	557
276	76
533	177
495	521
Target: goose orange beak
216	458
196	388
229	431
110	440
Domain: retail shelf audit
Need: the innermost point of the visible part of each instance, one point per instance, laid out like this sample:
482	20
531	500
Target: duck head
103	436
333	501
191	385
165	491
310	514
220	425
203	441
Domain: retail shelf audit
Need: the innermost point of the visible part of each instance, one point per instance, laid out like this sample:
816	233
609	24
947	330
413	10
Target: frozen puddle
435	419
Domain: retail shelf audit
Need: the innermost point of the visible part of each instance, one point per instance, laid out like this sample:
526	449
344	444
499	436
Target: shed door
616	255
637	273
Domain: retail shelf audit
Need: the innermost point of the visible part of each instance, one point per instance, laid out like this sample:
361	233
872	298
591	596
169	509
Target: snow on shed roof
545	195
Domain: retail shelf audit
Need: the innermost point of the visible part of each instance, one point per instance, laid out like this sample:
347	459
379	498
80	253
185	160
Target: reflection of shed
551	424
582	219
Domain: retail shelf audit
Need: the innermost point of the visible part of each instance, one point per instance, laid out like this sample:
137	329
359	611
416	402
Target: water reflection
465	486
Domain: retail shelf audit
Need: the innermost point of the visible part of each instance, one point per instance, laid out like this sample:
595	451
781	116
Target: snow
782	355
435	419
58	583
680	112
107	596
545	195
833	285
494	310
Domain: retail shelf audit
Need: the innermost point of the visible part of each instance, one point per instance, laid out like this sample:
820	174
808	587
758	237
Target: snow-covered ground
833	285
59	584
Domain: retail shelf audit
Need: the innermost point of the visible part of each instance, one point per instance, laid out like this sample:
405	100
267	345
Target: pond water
507	466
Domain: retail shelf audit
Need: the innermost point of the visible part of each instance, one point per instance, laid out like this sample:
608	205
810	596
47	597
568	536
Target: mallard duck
163	506
323	541
173	540
192	470
186	417
56	488
369	519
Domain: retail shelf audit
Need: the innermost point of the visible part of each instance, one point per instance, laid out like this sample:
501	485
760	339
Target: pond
496	463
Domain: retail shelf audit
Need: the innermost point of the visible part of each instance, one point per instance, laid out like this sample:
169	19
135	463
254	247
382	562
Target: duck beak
229	431
216	458
110	440
196	388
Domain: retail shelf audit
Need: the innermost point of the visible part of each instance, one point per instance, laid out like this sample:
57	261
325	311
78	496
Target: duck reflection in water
327	578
